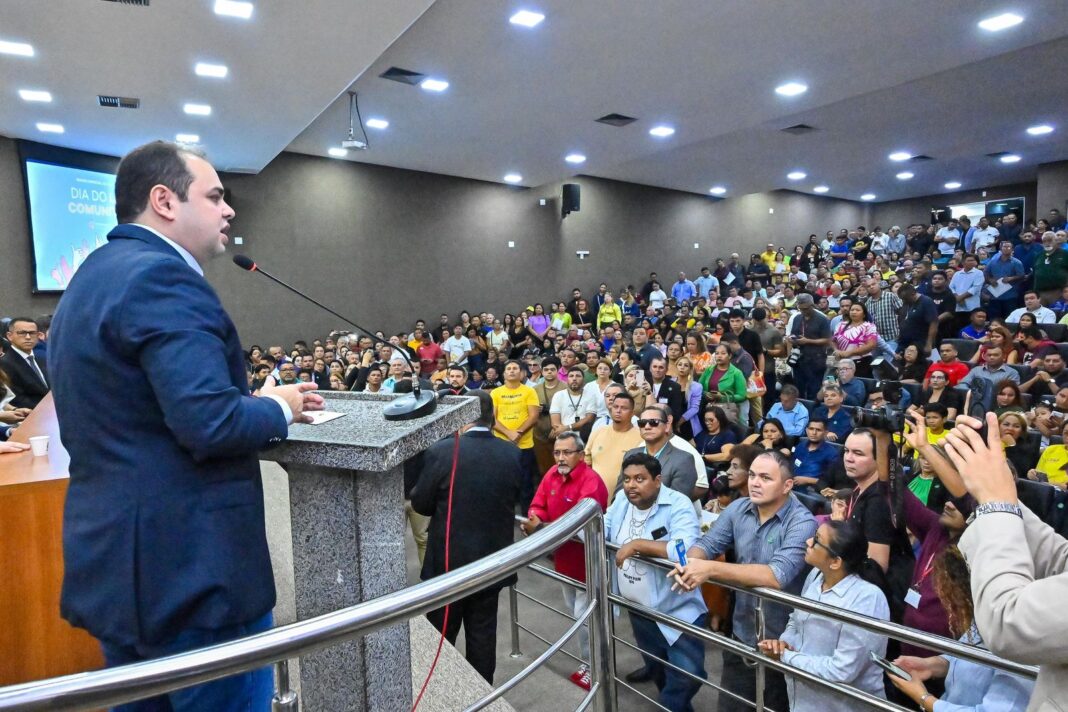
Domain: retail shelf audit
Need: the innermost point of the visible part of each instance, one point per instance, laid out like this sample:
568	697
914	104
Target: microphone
411	405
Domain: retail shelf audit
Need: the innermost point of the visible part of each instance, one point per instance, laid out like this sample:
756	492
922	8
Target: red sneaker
581	677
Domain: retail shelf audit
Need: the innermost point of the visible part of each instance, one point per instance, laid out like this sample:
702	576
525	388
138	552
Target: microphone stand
408	406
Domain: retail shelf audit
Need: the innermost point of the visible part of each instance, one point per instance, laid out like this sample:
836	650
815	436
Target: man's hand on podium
299	397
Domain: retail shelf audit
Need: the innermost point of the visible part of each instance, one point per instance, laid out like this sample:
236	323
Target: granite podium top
363	439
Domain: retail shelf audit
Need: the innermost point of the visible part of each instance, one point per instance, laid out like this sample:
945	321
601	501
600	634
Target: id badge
913	598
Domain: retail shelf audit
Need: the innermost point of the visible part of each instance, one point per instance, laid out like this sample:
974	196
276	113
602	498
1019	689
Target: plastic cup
39	445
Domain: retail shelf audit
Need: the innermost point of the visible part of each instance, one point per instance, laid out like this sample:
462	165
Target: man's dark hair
550	361
44	322
939	273
642	459
760	314
665	414
155	163
1030	332
736	314
485	408
786	465
818	421
580	369
625	396
30	319
937	407
461	369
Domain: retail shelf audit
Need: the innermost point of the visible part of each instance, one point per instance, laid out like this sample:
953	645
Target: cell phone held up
889	667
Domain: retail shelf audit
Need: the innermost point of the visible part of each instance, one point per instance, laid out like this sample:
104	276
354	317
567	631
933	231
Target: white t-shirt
984	238
497	340
947	247
570	407
593	394
635	578
657	299
456	347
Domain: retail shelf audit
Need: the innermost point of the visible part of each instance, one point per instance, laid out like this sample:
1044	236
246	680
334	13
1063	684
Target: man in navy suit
25	369
164	544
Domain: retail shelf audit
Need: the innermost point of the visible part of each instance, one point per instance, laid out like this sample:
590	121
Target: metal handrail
114	686
893	630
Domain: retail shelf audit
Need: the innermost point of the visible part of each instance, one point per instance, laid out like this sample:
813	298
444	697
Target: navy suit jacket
164	524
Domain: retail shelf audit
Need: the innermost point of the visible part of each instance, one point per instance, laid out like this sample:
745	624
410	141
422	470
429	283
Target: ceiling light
904	175
197	109
868	196
216	71
234	8
796	175
717	190
575	158
50	128
20	49
791	89
1010	158
1000	22
820	189
377	124
513	178
35	95
187	138
661	131
338	152
1040	130
434	84
952	185
526	18
900	156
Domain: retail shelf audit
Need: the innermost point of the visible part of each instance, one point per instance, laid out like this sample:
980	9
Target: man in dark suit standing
663	390
28	373
484	495
164	545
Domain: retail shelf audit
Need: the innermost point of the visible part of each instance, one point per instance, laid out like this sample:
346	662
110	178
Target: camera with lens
889	417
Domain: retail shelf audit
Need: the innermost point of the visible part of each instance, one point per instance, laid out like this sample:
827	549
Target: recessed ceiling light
234	8
434	84
820	189
526	18
205	69
1000	22
661	131
187	138
904	175
717	190
868	196
796	175
197	109
1040	130
19	49
791	89
50	128
377	124
513	178
900	156
952	185
338	152
35	95
1010	158
575	158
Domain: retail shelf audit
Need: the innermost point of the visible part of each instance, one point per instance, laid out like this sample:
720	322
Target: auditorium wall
388	245
903	212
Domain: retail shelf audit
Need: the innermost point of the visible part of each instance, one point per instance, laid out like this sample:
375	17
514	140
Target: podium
346	489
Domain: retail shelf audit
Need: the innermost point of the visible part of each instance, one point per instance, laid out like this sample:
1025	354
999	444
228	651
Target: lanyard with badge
913	596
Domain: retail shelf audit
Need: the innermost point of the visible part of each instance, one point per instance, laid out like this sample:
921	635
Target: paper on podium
318	417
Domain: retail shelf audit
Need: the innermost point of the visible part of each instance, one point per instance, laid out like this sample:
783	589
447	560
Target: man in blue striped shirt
767	531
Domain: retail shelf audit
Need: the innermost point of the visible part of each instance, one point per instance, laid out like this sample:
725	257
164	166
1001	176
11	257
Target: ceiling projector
351	142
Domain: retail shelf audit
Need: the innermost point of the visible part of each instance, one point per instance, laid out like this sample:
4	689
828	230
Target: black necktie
37	369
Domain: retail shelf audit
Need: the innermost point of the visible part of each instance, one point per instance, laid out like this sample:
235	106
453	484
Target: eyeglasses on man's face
650	422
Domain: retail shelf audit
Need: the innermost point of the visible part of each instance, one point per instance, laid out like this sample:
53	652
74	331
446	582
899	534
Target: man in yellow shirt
608	444
517	408
768	256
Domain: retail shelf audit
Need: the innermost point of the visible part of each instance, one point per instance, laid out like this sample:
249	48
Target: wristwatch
923	701
989	507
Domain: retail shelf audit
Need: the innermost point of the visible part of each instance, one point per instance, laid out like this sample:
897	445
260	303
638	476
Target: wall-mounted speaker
570	200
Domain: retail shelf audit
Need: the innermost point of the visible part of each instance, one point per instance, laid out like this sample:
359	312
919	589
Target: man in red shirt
563	486
949	364
428	353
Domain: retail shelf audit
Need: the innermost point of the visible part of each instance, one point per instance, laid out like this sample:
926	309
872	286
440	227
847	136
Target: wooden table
35	643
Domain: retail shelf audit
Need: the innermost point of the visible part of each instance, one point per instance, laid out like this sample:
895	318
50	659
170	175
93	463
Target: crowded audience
740	394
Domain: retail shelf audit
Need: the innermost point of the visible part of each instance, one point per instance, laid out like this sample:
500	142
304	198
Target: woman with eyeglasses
835	651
